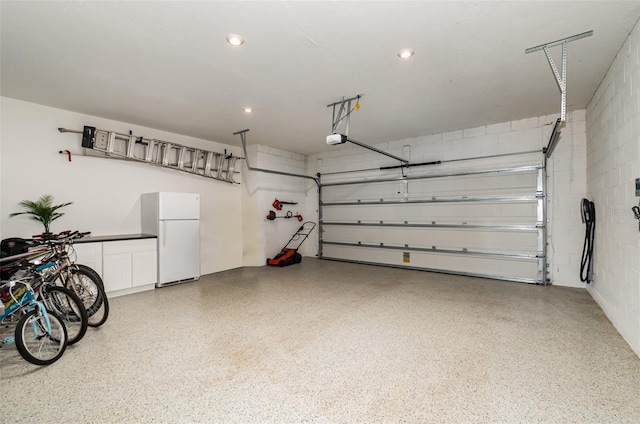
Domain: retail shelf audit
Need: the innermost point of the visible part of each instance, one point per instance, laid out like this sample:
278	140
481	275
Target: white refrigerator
175	219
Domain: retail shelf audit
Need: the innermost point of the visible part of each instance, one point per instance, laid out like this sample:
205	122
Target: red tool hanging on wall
272	216
277	204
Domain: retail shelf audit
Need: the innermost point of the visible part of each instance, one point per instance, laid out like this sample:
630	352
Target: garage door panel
512	269
503	213
514	184
475	239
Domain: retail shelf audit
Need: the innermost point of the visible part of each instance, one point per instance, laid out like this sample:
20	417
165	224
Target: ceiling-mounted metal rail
243	140
343	116
382	152
560	79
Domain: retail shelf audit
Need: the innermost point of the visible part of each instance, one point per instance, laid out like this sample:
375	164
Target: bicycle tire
92	271
87	284
37	345
68	306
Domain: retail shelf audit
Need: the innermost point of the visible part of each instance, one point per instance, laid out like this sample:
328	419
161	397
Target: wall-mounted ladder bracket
218	166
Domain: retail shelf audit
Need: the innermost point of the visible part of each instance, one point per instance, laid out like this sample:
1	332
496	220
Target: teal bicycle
40	335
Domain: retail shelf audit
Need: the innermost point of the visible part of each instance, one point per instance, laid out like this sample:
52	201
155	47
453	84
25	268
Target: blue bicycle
40	336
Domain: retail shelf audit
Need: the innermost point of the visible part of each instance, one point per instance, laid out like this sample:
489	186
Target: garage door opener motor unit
289	254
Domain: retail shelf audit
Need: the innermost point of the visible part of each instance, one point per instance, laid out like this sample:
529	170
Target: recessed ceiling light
235	40
247	110
405	54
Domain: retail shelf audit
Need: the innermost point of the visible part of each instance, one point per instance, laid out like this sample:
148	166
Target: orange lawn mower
289	254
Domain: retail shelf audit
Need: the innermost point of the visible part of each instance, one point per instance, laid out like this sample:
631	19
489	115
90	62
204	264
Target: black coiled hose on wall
588	210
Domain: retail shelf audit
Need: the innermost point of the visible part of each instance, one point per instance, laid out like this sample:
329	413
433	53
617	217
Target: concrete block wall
263	238
613	162
566	185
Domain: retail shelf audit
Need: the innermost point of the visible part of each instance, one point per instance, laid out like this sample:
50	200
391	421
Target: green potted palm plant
42	210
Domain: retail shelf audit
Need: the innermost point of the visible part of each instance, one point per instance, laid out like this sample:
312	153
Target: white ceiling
166	65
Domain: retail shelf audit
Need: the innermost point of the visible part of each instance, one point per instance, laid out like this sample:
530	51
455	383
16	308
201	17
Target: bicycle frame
55	266
25	300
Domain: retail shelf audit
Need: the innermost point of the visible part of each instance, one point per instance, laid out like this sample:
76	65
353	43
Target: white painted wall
264	238
613	162
566	185
235	229
106	193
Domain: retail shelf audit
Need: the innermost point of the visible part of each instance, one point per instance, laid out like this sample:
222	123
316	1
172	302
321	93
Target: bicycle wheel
68	306
87	284
91	271
35	342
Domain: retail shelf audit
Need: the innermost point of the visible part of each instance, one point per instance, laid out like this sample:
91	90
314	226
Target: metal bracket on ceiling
344	116
560	79
344	113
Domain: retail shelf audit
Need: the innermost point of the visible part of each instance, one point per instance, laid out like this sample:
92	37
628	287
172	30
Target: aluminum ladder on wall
204	163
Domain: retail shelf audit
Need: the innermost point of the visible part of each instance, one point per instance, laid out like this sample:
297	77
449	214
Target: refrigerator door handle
164	233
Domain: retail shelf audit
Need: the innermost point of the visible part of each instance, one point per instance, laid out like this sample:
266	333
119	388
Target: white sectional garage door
480	221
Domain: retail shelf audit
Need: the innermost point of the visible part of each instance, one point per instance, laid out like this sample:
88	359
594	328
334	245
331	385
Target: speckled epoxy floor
335	342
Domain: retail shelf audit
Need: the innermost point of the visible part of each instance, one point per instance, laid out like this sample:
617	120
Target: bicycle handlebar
60	238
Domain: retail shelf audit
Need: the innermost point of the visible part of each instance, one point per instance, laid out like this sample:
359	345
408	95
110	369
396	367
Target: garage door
487	222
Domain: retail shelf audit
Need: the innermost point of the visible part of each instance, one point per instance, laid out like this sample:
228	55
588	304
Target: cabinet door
117	269
89	254
145	270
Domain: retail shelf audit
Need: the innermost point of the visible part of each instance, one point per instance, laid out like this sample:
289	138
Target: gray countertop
115	237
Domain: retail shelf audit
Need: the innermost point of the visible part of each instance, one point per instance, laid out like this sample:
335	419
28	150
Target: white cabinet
144	266
117	269
129	264
126	266
89	254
